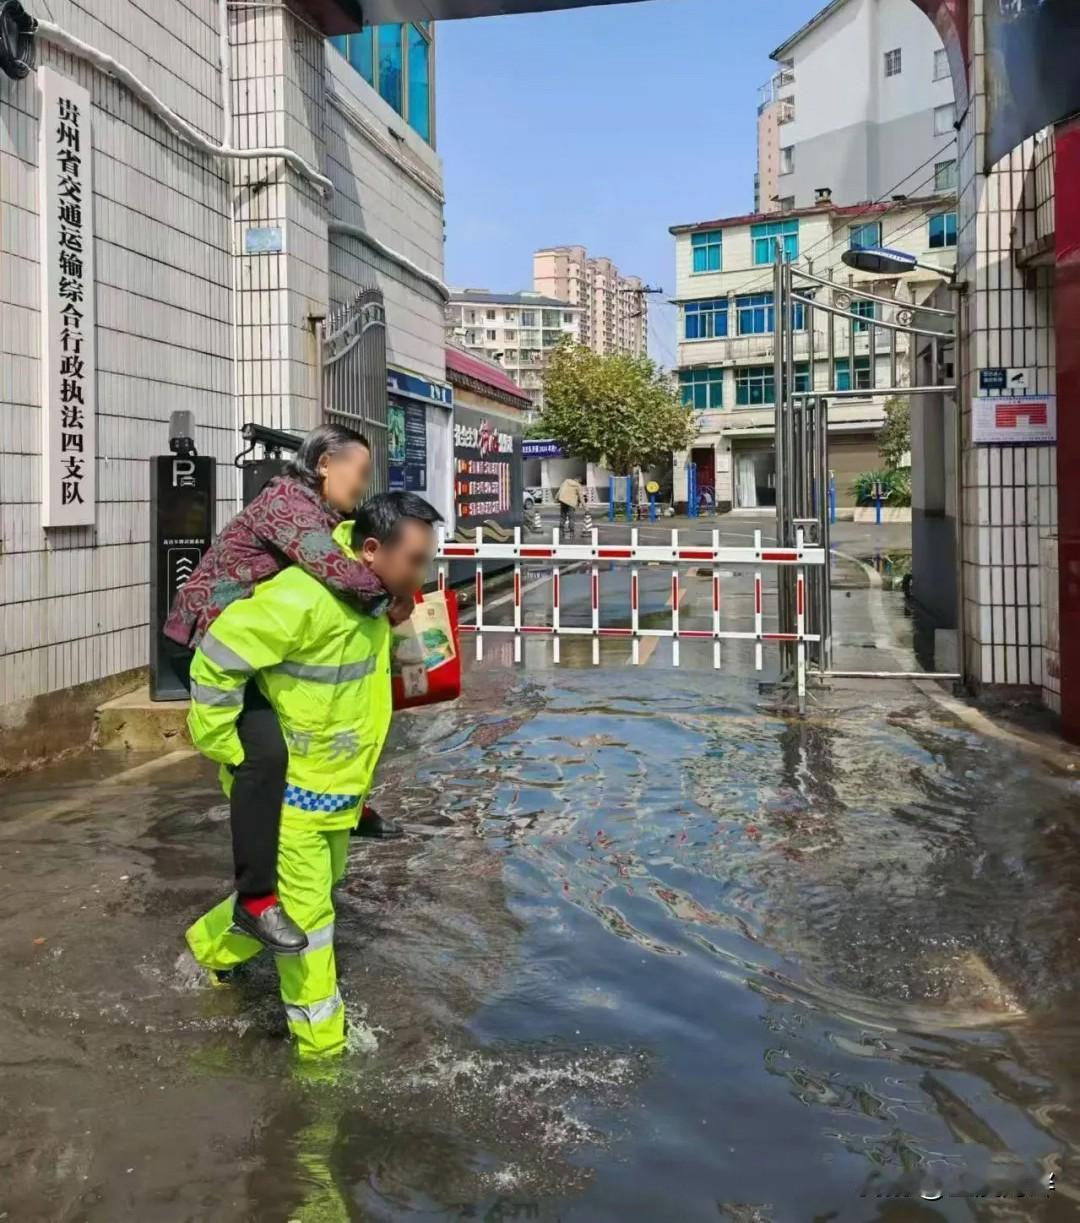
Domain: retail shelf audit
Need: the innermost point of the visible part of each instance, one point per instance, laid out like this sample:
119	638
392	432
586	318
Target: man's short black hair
380	517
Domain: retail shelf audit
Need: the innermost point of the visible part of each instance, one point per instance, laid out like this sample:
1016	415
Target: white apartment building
724	279
614	308
516	330
861	105
201	278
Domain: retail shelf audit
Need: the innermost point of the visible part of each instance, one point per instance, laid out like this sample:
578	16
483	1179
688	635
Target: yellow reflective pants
310	862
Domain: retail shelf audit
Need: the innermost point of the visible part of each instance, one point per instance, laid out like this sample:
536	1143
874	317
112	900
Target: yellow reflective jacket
325	669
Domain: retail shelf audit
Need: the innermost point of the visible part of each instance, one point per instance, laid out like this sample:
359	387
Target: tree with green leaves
894	437
619	410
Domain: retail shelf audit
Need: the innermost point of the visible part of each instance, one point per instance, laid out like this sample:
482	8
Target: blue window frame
419	82
798	316
755	314
702	388
705	320
862	374
764	235
864	310
390	65
755	385
942	230
864	237
802	377
362	54
708	248
380	54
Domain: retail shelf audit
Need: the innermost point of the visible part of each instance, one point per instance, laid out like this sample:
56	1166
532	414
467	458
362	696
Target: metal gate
352	375
871	346
800	562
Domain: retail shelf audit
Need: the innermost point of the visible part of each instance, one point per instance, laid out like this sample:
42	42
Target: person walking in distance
291	522
323	667
570	497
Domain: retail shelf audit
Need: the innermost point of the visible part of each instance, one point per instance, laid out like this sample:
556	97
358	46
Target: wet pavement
651	952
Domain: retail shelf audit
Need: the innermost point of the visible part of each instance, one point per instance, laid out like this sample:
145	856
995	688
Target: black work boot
274	928
372	824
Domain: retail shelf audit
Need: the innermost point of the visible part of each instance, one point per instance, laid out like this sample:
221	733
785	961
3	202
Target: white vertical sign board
69	383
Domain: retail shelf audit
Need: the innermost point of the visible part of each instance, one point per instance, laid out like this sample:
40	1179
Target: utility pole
640	295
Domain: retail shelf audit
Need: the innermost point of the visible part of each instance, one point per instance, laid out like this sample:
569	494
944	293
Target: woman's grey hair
326	440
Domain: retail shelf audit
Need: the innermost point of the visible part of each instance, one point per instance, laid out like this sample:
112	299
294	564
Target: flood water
650	953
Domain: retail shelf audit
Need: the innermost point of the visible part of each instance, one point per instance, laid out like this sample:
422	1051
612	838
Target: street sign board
541	448
1014	420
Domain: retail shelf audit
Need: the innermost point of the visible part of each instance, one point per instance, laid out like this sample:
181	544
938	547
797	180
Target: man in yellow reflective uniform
325	669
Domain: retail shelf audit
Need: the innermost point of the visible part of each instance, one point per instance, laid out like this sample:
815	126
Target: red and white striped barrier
589	555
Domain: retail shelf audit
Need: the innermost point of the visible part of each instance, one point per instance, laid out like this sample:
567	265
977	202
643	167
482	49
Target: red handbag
425	653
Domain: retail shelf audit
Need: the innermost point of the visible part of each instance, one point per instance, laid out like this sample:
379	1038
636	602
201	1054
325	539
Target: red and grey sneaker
371	824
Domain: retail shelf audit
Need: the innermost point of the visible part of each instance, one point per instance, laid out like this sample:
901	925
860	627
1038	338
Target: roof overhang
334	17
376	12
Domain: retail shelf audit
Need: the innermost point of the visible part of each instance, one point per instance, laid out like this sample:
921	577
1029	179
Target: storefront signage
1014	420
487	470
541	450
409	386
69	384
407	429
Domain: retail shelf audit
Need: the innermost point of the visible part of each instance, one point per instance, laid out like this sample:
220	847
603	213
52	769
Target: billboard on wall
487	470
1032	79
406	433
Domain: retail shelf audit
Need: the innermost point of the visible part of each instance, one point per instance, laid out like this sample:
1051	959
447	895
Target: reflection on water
649	954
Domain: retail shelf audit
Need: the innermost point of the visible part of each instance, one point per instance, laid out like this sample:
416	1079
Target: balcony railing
759	349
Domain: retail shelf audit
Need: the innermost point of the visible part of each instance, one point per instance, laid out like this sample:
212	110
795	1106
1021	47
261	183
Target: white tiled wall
1010	493
278	99
74	603
389	182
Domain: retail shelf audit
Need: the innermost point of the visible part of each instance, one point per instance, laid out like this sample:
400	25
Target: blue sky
600	126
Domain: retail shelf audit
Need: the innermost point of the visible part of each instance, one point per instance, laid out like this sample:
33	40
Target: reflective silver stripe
207	695
323	937
225	658
316	1013
326	675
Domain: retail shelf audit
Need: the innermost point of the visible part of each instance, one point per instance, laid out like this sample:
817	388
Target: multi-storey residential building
772	110
614	308
861	105
517	330
724	275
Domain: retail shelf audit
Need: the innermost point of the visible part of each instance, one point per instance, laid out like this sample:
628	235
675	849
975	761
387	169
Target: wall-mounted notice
69	385
1014	420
